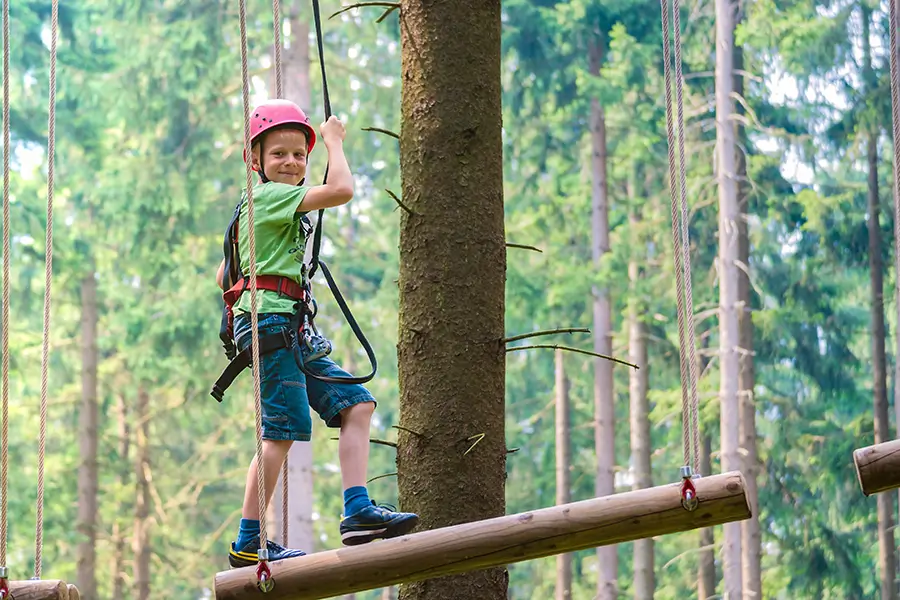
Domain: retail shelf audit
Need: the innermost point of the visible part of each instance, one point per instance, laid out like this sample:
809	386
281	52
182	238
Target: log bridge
494	542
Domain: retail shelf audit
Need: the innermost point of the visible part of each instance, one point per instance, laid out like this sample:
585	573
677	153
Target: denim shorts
286	392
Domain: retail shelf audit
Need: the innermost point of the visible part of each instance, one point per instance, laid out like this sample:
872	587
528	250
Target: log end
39	589
859	462
74	594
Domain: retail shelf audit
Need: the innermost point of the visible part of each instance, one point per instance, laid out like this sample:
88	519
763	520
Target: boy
281	139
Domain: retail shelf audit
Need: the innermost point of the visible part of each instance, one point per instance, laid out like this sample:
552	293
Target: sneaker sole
390	530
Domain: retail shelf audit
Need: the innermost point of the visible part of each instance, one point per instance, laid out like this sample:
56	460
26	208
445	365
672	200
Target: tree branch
407	430
523	336
578	350
382	476
399	203
391	5
524	247
376	441
384	131
385	14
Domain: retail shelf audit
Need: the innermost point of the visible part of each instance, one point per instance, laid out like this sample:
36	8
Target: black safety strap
267	343
317	235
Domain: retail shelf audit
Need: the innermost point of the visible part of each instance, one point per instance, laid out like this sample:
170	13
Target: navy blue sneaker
246	556
374	523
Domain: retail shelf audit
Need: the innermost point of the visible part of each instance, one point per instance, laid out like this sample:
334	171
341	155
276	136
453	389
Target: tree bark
295	67
751	538
729	329
88	478
644	581
451	362
563	459
140	541
707	576
604	400
124	435
886	550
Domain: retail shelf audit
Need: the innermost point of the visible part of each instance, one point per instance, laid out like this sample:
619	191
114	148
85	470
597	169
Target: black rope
317	240
317	234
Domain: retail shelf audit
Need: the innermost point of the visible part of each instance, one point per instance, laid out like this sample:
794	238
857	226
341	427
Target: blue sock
355	499
249	528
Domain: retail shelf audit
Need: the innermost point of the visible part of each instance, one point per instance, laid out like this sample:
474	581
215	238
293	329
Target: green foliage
148	170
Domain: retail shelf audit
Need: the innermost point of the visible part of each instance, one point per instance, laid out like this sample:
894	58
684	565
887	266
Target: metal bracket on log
878	467
495	542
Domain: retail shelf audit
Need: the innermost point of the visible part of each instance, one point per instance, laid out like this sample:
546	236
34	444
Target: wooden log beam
43	589
74	594
878	467
494	542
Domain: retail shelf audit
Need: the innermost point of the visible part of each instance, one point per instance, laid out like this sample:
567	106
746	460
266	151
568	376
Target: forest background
148	169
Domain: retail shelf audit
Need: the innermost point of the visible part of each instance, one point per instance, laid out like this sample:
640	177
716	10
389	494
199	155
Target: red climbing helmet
275	113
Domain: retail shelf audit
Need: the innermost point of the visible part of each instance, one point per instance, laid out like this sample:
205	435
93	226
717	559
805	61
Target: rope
693	366
48	279
276	20
279	93
254	315
4	437
895	114
681	244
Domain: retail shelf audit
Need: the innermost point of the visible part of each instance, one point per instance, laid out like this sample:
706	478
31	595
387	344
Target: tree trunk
638	380
124	435
140	541
707	578
886	550
299	464
729	330
751	539
563	459
87	436
604	400
452	452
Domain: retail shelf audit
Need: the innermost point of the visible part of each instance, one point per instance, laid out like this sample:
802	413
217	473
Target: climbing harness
690	404
303	332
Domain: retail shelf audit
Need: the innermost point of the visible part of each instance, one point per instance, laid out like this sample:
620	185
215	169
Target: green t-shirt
280	242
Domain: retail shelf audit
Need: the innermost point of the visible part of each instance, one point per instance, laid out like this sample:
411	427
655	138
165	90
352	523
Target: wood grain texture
46	589
878	467
494	542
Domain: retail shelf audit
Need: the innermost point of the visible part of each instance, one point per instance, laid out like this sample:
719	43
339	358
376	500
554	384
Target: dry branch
524	247
578	350
524	336
384	131
391	5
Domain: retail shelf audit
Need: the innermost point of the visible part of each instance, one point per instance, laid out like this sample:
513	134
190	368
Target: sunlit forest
144	471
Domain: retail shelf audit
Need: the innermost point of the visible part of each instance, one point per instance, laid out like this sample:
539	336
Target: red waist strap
273	283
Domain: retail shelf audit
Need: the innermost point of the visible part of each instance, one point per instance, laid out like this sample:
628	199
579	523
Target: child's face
284	156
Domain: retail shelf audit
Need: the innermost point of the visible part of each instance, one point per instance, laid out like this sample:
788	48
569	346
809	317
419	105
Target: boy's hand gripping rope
690	405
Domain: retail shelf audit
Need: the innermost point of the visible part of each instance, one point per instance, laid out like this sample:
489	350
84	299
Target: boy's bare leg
363	521
274	453
353	444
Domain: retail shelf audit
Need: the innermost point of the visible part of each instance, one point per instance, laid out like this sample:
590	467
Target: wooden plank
495	542
878	467
44	589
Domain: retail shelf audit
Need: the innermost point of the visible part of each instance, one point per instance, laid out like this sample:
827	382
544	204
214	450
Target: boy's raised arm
338	189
